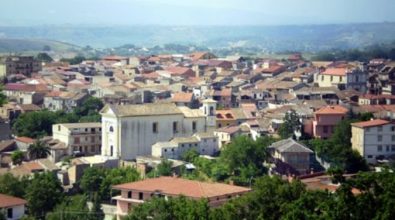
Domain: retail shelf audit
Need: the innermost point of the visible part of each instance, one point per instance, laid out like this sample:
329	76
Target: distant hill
304	38
31	45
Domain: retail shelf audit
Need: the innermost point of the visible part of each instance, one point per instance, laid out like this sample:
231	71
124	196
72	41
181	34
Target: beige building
78	138
374	139
350	77
25	65
129	131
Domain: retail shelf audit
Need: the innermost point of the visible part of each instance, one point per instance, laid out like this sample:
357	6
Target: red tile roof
10	201
178	70
335	109
25	87
26	140
335	72
178	186
371	123
182	97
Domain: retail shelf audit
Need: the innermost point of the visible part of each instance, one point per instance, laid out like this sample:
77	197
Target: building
326	119
25	93
135	193
77	138
292	153
25	65
12	207
203	143
374	139
67	101
352	77
129	131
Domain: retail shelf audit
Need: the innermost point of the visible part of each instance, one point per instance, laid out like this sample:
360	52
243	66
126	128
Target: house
202	56
183	72
67	101
344	77
76	138
23	143
223	97
204	143
325	120
184	99
25	93
135	193
129	131
225	118
374	139
12	207
292	153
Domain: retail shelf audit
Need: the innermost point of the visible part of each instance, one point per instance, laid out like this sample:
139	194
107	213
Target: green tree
164	168
43	194
44	57
38	150
244	158
71	208
190	155
17	157
11	185
89	107
291	124
35	124
117	176
96	212
3	97
92	180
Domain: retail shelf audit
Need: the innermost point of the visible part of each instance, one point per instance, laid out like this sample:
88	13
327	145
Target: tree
164	168
38	150
17	157
11	185
89	107
96	212
3	97
117	176
44	57
35	124
291	124
71	208
43	194
91	180
244	158
190	155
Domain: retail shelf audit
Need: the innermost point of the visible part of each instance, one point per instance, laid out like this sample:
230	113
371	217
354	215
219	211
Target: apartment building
326	119
25	65
350	77
78	138
374	139
135	193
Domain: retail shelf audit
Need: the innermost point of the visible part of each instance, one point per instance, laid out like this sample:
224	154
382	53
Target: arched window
211	110
111	129
112	151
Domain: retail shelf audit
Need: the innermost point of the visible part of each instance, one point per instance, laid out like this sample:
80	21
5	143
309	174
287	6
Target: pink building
325	120
135	193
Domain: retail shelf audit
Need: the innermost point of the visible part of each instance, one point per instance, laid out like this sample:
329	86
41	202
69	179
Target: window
194	126
211	111
175	127
356	79
392	128
367	129
322	78
155	127
111	129
112	151
92	148
76	140
370	156
393	148
325	128
331	78
10	213
93	139
141	196
165	150
341	78
393	137
59	127
380	128
387	148
379	138
379	148
130	194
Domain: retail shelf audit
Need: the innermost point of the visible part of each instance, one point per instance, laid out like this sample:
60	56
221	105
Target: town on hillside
196	136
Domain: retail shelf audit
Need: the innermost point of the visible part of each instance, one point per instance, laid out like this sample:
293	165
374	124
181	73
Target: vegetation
17	157
38	150
39	123
43	193
72	207
13	186
273	198
75	60
291	124
44	57
98	181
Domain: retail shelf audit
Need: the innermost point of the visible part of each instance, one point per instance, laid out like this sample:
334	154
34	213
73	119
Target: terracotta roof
25	87
335	71
371	123
7	145
26	140
225	115
182	97
335	109
178	186
10	201
272	69
178	70
116	58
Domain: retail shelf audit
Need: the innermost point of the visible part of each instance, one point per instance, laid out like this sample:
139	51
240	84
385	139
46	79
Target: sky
194	12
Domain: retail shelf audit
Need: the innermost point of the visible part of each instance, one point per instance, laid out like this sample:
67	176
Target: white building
13	208
129	131
204	143
82	138
374	139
